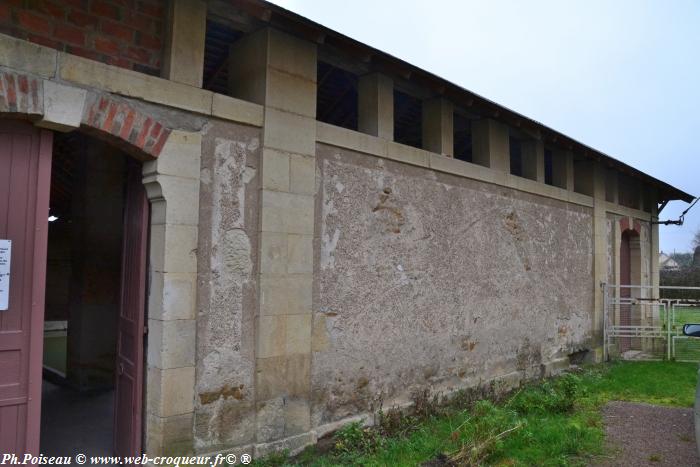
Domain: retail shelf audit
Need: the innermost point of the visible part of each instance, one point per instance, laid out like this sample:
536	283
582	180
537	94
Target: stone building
262	229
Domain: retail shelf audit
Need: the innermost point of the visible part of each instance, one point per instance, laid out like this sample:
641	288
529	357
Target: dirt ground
649	435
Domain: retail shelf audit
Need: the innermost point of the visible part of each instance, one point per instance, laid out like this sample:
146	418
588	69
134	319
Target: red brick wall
125	33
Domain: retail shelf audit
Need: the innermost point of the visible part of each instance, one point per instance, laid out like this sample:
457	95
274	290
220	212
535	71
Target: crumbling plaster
224	392
425	279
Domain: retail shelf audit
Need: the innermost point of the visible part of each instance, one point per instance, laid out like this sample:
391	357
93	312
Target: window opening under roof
408	119
336	96
218	39
516	157
548	168
462	138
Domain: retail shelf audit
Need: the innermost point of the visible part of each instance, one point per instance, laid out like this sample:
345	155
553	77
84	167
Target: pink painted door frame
128	398
25	177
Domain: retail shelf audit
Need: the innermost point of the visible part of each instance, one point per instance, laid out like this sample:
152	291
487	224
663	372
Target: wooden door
25	176
128	405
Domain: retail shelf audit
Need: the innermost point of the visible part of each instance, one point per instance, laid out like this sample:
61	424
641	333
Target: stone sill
24	56
372	145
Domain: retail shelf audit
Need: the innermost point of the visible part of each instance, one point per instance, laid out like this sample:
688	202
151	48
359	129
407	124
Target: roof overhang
300	26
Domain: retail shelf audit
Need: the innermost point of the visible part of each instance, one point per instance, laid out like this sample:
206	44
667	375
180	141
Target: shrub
552	396
354	438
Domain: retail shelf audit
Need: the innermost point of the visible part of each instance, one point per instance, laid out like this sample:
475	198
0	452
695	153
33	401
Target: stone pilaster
600	254
376	105
438	126
490	145
184	53
563	169
533	160
654	245
279	72
172	184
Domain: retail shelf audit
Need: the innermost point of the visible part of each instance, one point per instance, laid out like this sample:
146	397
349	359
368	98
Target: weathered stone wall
425	279
228	222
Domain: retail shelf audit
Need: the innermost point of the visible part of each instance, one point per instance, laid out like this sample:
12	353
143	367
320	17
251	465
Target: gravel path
649	435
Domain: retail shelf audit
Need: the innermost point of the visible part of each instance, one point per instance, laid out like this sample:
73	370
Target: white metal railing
647	324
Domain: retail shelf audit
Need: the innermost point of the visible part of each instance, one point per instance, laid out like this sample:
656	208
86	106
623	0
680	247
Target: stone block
275	170
173	248
270	377
291	93
170	392
225	424
63	107
183	59
298	375
298	334
25	56
408	154
172	296
270	419
168	436
285	294
110	78
438	126
289	132
319	334
292	55
300	257
376	105
342	137
297	417
287	212
273	253
180	194
302	174
271	338
292	444
180	156
174	343
237	110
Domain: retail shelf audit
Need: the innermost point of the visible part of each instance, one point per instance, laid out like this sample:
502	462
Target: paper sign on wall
5	254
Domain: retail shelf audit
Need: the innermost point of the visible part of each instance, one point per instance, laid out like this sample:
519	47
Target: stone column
376	105
172	184
563	169
490	144
438	126
655	245
183	59
600	253
279	71
533	160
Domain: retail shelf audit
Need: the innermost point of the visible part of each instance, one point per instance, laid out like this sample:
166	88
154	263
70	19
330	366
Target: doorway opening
83	395
630	264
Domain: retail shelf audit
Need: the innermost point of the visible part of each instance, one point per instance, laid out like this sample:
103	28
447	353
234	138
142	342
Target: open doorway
89	398
630	263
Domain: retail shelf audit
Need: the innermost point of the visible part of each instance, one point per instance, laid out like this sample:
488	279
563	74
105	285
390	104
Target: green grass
555	422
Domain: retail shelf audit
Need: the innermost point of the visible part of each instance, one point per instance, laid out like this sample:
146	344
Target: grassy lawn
551	423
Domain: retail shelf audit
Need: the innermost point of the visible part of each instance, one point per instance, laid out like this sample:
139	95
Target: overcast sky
620	76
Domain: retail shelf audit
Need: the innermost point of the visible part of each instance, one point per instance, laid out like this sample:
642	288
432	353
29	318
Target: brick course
125	33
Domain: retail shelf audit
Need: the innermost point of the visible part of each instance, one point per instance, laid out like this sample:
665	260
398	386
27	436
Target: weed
275	459
354	438
655	458
552	396
551	422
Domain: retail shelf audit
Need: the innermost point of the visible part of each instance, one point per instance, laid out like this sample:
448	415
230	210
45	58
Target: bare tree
696	239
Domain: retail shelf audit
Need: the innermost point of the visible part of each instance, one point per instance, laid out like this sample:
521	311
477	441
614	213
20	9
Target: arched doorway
104	288
170	174
629	277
